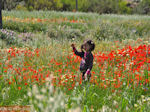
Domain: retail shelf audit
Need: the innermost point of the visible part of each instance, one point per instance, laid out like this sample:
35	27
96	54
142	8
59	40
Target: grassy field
39	69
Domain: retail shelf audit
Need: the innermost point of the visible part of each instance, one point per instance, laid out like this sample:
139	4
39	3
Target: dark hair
91	43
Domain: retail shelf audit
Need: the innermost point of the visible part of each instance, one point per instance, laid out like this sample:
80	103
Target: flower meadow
115	70
125	66
38	20
42	72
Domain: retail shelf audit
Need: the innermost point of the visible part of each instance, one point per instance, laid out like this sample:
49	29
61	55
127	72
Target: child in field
87	58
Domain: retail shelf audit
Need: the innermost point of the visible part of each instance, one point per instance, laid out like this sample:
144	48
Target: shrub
123	9
143	7
47	98
24	27
8	36
13	38
107	31
43	4
63	32
20	7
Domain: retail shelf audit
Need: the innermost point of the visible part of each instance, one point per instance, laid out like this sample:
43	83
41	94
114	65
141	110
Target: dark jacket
87	60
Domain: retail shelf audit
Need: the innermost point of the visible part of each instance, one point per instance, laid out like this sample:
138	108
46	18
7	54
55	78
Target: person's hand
72	45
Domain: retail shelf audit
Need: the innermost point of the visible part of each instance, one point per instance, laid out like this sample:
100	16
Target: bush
24	27
43	4
8	36
107	31
123	9
125	29
99	6
20	7
13	38
9	4
63	32
143	7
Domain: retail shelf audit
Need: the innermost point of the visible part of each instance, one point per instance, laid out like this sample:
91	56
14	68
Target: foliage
21	27
143	7
43	4
68	25
122	30
106	91
8	36
99	6
46	98
123	9
64	32
120	74
21	6
9	4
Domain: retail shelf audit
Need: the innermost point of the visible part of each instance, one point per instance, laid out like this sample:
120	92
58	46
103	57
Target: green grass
51	15
109	32
103	27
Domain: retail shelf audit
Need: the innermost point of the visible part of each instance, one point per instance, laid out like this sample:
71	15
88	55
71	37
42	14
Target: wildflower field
39	69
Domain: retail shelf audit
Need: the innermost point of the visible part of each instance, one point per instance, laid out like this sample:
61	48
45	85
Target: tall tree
76	5
0	14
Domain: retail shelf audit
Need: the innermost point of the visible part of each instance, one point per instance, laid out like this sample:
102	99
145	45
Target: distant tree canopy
0	14
99	6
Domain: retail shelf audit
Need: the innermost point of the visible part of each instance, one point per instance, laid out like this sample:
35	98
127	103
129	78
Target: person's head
88	45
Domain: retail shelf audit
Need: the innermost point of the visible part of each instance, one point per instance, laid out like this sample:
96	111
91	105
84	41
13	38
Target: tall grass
46	54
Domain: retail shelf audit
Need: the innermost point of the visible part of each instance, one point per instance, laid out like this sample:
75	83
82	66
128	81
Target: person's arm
81	54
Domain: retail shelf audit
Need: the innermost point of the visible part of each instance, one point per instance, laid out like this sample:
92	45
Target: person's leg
89	77
83	77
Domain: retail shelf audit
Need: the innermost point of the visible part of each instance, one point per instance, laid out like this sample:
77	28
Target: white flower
135	105
109	97
115	102
77	84
75	110
124	83
142	96
51	99
144	100
148	99
43	90
40	105
39	97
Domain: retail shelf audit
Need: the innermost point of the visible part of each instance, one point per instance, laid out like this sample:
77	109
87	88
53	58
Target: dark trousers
88	76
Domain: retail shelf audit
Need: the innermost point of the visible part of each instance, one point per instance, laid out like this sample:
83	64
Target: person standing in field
86	63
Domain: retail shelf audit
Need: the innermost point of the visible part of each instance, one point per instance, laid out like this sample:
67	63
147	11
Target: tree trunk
76	5
0	14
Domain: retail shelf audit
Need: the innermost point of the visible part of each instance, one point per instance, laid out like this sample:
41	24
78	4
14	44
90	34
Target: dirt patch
14	108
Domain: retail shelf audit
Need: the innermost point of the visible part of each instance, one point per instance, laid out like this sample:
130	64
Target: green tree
123	9
68	5
143	7
0	14
83	5
102	6
43	4
10	4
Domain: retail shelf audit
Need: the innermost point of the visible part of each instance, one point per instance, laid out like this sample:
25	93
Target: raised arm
81	54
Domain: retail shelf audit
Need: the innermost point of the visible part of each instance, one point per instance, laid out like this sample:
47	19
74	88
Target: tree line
99	6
